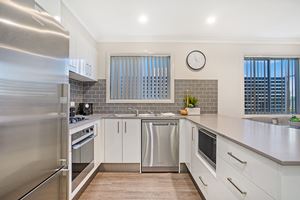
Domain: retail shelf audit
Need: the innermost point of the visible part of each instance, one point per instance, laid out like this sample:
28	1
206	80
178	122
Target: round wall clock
196	60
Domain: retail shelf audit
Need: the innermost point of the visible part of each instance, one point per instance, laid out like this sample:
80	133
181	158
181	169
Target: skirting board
129	167
119	167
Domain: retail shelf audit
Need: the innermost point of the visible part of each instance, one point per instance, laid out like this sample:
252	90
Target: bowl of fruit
295	122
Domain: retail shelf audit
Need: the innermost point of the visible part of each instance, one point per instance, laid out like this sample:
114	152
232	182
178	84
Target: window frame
247	115
109	100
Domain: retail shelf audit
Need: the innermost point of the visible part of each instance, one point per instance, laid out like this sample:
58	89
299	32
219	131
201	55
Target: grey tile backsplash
76	91
95	92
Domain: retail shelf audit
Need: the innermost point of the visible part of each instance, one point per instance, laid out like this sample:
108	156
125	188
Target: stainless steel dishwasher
160	146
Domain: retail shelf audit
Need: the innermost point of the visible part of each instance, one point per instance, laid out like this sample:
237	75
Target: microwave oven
207	146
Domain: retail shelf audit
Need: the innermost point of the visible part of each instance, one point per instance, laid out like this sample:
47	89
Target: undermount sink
134	115
125	115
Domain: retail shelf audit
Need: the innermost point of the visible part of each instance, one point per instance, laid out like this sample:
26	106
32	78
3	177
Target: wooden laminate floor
154	186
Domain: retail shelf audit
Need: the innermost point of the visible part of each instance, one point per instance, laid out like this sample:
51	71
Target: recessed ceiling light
211	20
143	19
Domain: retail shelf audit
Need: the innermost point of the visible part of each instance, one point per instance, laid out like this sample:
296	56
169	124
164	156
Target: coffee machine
85	109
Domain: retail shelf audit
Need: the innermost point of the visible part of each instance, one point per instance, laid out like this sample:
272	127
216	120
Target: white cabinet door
94	63
99	142
131	141
192	142
188	134
113	141
188	143
82	51
182	140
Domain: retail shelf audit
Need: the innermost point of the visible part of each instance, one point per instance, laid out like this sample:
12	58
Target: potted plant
190	103
295	122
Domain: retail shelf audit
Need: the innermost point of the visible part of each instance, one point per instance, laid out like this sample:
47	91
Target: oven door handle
82	138
80	144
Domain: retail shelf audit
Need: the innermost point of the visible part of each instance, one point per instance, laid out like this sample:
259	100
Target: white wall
224	63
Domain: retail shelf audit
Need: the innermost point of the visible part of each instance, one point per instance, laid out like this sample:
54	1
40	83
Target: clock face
196	60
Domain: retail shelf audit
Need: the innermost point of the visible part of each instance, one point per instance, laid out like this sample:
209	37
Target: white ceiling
186	20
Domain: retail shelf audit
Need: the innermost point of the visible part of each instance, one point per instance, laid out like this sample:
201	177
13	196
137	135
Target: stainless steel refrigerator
34	49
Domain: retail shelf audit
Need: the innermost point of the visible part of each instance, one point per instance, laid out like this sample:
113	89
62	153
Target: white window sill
268	115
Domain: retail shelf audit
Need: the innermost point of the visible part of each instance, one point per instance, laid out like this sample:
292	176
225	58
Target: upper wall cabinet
53	7
83	51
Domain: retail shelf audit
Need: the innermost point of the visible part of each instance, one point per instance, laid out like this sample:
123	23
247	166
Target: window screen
140	77
271	85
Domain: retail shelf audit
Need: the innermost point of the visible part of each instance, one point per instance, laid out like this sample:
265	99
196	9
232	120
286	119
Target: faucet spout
136	111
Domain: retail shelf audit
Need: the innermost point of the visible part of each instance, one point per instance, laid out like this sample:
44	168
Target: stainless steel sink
125	115
139	115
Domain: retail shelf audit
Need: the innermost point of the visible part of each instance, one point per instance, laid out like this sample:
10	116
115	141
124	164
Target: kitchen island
278	143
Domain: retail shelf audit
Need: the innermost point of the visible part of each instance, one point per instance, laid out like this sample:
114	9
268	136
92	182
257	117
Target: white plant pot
193	111
295	124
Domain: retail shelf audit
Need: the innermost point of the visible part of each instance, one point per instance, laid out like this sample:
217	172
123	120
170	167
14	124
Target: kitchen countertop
278	143
89	119
95	117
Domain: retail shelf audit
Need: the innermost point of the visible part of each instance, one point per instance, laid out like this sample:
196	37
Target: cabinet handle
118	127
200	178
236	187
125	127
236	158
193	133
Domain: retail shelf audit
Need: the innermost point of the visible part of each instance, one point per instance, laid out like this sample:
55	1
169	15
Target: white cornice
211	41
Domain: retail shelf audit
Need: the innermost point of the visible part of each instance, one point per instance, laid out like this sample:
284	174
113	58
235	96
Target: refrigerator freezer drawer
30	153
53	188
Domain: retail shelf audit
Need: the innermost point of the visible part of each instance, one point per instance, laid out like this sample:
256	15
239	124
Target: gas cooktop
74	120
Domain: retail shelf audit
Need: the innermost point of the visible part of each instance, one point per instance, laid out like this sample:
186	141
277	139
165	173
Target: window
140	78
272	85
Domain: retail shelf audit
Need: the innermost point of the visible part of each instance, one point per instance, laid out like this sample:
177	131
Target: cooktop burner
74	120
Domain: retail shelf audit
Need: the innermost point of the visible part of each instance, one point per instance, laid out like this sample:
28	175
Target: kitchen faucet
136	111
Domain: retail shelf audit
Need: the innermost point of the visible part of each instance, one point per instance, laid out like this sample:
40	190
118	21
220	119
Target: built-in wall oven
207	145
82	154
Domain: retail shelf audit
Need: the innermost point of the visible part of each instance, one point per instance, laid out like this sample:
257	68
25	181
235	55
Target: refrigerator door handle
60	172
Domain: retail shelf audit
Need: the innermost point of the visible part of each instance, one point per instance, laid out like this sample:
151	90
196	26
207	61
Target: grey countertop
278	143
95	117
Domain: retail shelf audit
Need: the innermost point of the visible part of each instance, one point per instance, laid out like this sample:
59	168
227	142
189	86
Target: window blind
271	85
140	77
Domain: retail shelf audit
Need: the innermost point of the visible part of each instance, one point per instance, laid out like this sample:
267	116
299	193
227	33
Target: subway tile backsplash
76	91
95	92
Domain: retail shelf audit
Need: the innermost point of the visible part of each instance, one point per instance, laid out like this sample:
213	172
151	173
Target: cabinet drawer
261	171
203	176
239	186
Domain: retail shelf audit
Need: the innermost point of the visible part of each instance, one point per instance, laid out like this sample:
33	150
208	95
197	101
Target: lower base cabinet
243	175
122	140
224	182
